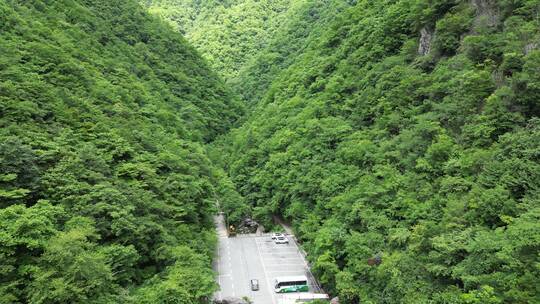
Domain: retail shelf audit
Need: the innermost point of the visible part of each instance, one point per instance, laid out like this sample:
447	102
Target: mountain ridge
106	191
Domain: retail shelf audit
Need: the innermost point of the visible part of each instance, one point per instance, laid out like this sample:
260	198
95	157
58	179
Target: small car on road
281	240
254	284
276	235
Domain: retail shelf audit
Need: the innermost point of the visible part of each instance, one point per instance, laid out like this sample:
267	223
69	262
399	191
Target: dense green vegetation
248	42
106	192
305	22
425	157
400	138
227	33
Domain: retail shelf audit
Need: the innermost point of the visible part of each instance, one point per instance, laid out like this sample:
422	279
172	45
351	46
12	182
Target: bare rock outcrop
487	12
427	35
248	226
530	47
231	300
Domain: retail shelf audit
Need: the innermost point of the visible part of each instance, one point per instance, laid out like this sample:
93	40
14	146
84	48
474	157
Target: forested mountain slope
404	144
106	193
227	33
304	22
401	139
249	42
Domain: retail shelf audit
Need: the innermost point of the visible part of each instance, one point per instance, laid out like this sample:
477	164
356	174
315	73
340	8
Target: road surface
245	257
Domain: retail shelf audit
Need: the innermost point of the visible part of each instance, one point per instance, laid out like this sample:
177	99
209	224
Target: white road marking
244	263
271	251
272	260
270	289
219	276
286	264
227	243
279	260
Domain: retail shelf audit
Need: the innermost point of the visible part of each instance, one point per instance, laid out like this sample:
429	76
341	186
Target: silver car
254	284
276	235
281	240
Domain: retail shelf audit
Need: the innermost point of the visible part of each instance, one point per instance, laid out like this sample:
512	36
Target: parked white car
281	240
276	235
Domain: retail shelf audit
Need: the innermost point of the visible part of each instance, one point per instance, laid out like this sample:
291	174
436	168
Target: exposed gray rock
248	226
260	229
487	12
426	39
230	300
529	47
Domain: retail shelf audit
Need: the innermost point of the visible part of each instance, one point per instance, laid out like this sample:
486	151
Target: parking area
247	257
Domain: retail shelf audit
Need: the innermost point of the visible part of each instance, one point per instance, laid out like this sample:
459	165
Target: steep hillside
403	146
106	193
303	24
227	33
249	42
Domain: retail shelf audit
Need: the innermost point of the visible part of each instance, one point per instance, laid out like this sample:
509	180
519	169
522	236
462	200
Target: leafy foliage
409	177
227	33
429	163
106	192
249	42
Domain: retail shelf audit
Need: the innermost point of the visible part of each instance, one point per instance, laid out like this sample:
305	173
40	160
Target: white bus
291	284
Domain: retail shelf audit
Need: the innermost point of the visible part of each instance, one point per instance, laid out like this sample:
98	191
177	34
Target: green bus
291	284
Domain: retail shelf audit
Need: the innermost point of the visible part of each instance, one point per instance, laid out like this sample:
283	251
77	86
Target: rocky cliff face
231	300
530	47
427	34
487	12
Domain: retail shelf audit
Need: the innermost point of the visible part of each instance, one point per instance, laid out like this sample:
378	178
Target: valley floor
255	256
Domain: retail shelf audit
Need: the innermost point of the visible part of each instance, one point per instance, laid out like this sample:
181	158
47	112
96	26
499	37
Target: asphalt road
247	257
